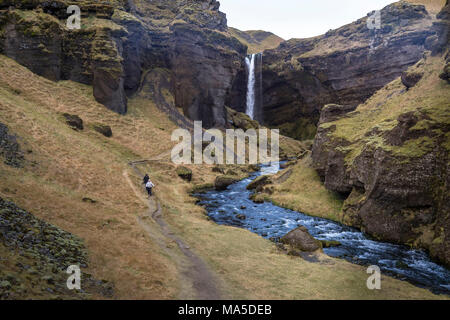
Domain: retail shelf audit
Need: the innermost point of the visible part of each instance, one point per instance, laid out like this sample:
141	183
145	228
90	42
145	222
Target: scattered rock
10	148
218	169
184	173
330	243
257	198
73	121
241	216
300	239
103	129
259	182
411	76
222	182
89	200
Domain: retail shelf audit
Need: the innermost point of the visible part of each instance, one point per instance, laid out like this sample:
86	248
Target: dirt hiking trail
198	281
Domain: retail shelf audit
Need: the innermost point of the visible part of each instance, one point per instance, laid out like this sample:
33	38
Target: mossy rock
103	129
259	182
222	182
330	243
74	121
184	173
202	187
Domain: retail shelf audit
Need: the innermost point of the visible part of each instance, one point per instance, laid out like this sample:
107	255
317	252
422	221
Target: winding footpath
198	281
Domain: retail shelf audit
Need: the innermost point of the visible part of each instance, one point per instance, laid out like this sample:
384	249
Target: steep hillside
80	181
390	158
344	66
256	40
119	41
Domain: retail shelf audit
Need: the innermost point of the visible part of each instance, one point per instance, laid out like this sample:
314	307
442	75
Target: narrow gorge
363	178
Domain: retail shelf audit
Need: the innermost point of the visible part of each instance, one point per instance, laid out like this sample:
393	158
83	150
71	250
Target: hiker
149	185
146	178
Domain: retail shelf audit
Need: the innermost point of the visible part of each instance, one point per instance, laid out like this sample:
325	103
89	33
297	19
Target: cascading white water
250	62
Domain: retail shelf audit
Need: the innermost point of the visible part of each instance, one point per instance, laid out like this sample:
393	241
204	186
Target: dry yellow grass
304	192
251	267
71	165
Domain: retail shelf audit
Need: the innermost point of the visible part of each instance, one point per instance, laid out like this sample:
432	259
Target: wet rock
300	239
259	182
330	243
184	173
222	182
103	129
73	121
241	217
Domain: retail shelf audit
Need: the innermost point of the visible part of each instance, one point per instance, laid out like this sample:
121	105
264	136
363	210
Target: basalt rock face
120	41
389	157
344	66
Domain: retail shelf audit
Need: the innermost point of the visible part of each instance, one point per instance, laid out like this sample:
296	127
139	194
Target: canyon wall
119	41
389	157
344	66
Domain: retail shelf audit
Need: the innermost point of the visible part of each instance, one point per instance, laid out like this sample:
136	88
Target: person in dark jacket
146	178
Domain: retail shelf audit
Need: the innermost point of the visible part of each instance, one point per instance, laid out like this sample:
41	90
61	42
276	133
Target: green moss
301	129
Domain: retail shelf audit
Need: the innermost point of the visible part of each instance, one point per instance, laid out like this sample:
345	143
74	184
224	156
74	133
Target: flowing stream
273	222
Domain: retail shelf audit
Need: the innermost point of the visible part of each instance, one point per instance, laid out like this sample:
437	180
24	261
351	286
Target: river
272	222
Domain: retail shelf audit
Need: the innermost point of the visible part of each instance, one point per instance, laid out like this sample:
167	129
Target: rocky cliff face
389	158
344	66
119	41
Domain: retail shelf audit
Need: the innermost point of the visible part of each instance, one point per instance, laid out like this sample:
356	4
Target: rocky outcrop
222	182
36	257
10	148
259	182
300	239
389	160
121	41
184	173
344	66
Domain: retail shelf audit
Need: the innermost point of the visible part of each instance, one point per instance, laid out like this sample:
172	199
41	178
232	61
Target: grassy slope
256	40
430	96
71	165
303	191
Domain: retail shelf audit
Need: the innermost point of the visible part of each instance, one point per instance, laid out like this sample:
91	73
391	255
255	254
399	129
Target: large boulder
222	182
300	239
259	182
73	121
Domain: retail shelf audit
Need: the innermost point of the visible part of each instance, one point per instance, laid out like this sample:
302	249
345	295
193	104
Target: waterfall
254	86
